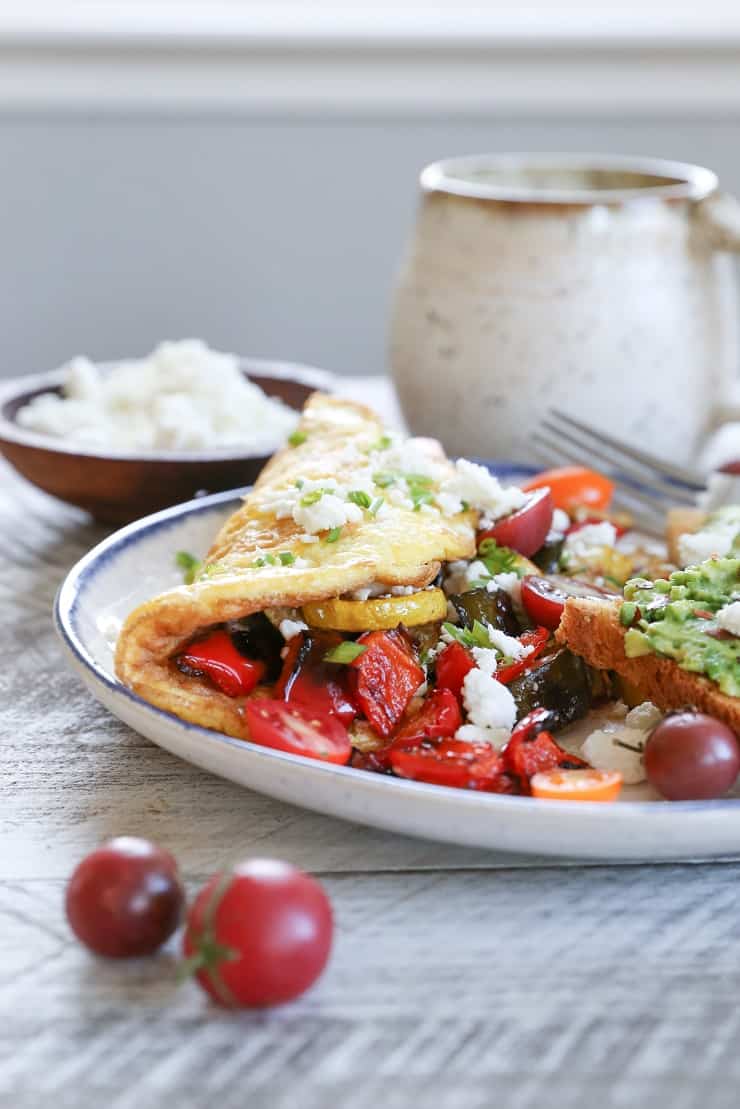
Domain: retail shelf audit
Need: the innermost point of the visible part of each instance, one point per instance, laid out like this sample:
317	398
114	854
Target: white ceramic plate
137	562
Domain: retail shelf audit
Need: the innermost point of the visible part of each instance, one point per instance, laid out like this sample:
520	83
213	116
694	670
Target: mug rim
692	182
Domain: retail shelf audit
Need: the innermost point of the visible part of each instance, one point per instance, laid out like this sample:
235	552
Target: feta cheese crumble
315	505
291	628
494	737
478	488
508	645
486	660
583	543
489	703
330	511
183	396
620	746
729	618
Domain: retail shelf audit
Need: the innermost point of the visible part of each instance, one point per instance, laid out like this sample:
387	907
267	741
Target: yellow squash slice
423	607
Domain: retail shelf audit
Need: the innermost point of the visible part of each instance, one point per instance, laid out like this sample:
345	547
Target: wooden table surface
458	979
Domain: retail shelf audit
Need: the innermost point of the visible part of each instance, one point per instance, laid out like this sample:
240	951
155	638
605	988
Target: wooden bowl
120	486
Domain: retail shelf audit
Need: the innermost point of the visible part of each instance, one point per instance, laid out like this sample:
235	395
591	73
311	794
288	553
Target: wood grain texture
459	978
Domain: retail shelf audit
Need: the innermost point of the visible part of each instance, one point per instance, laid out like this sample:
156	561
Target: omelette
344	511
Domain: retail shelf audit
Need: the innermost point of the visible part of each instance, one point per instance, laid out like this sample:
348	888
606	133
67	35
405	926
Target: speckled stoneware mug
597	284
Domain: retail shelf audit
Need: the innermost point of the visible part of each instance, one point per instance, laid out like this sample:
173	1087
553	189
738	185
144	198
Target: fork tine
644	516
644	521
655	485
645	500
659	465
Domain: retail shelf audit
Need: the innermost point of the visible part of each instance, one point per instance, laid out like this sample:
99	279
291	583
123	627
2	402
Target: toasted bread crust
591	629
678	522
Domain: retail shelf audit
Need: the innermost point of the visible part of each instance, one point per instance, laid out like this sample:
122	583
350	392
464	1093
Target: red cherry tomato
217	657
454	762
452	664
525	530
691	756
298	730
544	597
573	487
537	640
384	678
259	934
125	898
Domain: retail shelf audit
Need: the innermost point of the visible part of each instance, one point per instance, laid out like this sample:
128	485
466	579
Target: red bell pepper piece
454	762
532	749
217	657
439	716
536	639
309	681
384	678
452	664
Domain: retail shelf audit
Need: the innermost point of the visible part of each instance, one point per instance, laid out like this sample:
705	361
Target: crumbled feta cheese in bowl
183	397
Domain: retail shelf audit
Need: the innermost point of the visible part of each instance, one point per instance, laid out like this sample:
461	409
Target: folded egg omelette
318	524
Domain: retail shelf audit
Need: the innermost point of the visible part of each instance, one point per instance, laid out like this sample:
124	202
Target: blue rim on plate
66	609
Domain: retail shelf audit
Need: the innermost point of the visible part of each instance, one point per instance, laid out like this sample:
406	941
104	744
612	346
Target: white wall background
233	182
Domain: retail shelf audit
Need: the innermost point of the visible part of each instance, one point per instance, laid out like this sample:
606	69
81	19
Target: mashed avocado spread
676	618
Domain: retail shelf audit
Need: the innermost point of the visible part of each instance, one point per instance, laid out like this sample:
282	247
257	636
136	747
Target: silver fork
645	484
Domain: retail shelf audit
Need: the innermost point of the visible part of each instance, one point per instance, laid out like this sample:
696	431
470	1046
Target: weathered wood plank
561	984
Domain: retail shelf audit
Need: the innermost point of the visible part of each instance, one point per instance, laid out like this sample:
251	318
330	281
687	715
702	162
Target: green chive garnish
333	535
297	438
345	652
189	564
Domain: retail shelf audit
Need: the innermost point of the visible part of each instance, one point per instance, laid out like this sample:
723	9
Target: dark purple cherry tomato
691	757
125	898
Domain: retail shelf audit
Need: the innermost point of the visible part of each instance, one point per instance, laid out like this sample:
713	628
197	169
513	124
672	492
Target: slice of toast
591	629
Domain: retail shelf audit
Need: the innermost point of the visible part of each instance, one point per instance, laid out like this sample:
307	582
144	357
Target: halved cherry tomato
526	529
532	749
307	680
217	657
384	678
452	664
454	762
574	486
537	640
298	730
544	597
577	785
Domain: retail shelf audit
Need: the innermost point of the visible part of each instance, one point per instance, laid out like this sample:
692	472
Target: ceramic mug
597	284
